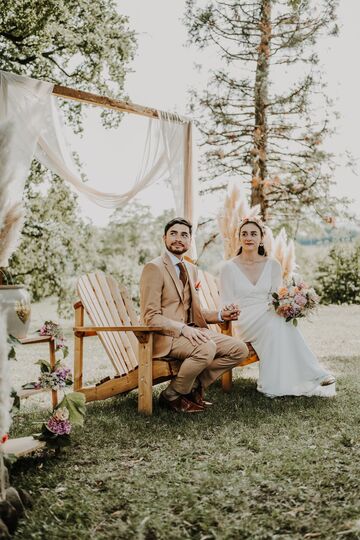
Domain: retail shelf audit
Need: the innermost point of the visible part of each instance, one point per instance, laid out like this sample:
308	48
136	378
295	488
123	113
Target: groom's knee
206	352
238	349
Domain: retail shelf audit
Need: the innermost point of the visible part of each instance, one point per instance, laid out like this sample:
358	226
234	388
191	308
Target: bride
287	365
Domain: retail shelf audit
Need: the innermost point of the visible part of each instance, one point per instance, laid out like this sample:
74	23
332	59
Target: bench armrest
93	330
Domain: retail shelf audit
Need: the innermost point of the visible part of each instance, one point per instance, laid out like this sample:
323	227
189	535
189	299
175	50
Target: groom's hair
179	221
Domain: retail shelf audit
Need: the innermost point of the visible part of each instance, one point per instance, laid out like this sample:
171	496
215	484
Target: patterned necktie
182	275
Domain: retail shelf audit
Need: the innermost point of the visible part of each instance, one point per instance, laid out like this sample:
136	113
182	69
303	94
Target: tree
85	43
264	115
132	238
56	244
88	45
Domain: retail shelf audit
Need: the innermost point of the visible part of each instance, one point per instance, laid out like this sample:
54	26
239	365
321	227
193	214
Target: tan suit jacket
162	302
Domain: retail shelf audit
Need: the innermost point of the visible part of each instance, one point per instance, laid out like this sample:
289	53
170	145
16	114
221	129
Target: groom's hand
230	312
196	336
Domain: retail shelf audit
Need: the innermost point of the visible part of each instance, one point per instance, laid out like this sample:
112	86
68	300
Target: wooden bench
127	343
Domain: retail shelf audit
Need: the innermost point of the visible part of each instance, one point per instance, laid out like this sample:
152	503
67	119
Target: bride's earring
261	249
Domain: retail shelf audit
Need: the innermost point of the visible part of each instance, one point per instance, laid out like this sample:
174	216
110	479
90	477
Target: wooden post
145	404
54	394
226	379
78	348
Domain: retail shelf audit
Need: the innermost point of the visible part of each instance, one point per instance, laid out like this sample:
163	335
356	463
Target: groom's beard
177	248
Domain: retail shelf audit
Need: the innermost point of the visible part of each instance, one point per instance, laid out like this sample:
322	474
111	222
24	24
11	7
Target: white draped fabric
35	124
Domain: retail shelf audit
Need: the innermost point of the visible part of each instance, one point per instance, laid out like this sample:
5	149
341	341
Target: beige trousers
205	362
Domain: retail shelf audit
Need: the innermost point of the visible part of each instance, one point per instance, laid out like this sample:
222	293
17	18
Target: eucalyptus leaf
75	404
44	365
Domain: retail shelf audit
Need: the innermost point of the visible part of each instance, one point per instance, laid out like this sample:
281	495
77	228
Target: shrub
338	276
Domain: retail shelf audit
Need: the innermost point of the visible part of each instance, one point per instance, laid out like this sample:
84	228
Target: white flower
61	414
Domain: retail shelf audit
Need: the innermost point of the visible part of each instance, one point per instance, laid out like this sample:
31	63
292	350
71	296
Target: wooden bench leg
145	404
226	381
78	350
54	394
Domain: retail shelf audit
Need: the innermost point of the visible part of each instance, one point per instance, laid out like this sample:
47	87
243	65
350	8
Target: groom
169	298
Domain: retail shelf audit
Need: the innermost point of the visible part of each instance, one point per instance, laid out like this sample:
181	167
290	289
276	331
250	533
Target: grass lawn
249	468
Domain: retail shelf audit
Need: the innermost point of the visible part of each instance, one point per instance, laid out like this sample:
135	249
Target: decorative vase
15	300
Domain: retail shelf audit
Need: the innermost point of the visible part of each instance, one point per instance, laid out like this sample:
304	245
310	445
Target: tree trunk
260	137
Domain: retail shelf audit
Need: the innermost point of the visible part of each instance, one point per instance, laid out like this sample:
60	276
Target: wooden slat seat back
210	299
107	305
209	294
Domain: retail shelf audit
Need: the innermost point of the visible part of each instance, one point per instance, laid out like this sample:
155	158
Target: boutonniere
197	285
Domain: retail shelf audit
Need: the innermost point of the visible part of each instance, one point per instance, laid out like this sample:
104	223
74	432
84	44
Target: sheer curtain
37	130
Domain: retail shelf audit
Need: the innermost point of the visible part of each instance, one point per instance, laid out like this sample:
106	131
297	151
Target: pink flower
300	300
59	427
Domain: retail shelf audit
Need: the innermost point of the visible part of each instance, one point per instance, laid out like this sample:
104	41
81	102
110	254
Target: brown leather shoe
180	404
197	396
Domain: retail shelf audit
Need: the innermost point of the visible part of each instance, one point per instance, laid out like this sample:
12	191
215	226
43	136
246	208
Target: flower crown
253	219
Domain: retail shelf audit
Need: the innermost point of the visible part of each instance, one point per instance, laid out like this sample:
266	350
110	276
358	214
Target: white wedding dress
287	365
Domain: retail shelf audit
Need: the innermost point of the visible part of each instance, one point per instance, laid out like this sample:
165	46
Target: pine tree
264	114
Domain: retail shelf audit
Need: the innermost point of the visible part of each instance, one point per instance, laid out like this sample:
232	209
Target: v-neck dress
287	365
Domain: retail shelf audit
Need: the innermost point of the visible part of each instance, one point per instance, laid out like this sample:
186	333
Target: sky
163	72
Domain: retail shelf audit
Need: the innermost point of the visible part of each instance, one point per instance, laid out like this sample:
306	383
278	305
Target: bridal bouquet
294	300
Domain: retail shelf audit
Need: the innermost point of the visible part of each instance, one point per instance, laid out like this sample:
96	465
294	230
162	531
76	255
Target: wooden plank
127	317
145	404
21	446
134	319
162	370
78	348
139	328
35	339
214	289
24	394
110	103
251	359
112	340
54	394
226	381
123	341
96	316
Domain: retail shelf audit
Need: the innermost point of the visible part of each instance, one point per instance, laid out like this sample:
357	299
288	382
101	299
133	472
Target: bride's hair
261	249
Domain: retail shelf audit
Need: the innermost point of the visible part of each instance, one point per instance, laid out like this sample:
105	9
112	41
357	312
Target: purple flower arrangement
50	328
59	423
55	379
70	412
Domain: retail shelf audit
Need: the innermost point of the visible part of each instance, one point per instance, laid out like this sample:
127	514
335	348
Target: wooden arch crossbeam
114	104
125	106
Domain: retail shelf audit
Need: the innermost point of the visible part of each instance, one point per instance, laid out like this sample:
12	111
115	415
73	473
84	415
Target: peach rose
282	292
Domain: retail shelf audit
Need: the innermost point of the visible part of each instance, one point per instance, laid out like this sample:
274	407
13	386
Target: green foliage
57	245
12	342
82	43
74	402
85	44
338	276
132	238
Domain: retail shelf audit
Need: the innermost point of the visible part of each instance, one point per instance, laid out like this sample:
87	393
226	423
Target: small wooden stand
24	394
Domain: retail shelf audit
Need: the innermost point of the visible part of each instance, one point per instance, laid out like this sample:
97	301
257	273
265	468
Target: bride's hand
230	312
